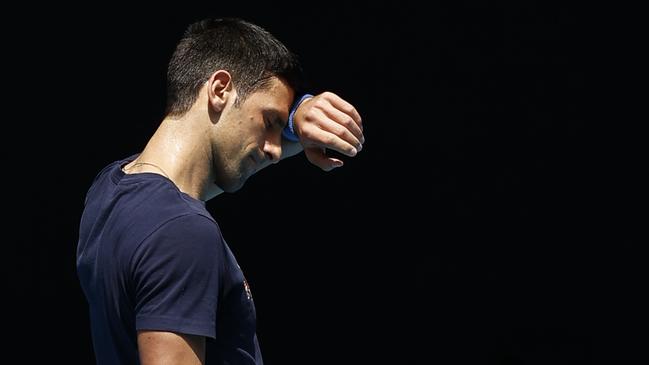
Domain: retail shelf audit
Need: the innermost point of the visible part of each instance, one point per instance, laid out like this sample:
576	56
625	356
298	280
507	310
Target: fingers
326	121
332	134
318	157
346	121
345	107
320	136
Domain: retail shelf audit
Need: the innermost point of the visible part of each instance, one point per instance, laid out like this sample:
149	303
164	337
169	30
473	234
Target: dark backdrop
476	226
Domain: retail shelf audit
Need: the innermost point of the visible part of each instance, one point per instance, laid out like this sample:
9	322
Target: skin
168	348
216	146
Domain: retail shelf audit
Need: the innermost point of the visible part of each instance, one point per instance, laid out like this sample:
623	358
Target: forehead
277	95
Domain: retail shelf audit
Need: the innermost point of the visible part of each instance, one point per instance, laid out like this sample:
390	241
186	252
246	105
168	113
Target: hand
328	121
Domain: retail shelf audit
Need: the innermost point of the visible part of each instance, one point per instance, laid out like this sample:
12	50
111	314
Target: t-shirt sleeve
177	276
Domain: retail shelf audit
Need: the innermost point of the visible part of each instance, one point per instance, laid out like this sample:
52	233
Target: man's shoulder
192	224
184	238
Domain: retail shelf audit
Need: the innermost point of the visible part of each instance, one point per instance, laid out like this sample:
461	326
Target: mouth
254	163
257	159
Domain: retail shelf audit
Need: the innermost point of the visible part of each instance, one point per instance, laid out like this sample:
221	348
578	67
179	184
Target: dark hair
251	55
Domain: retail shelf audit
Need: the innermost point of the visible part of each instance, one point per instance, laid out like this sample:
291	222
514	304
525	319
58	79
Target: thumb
318	157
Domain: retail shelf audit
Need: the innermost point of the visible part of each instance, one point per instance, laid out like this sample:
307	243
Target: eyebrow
276	118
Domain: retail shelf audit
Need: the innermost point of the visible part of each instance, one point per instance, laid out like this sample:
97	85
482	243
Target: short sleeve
177	276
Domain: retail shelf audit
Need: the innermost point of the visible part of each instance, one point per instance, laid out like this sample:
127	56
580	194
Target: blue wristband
289	131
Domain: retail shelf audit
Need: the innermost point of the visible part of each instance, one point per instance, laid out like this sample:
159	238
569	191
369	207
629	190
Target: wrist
289	131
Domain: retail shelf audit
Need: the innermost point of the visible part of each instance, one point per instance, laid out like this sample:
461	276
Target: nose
273	149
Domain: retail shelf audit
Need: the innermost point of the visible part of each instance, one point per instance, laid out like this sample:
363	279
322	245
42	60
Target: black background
480	224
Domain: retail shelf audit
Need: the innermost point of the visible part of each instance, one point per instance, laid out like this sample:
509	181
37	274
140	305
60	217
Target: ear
219	89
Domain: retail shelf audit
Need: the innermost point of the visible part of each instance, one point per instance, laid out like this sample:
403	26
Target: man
162	285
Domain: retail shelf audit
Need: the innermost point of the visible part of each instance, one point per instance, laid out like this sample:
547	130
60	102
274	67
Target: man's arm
323	122
326	121
162	348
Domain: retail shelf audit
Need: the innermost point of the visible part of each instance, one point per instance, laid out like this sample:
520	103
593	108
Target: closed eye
279	123
274	120
276	123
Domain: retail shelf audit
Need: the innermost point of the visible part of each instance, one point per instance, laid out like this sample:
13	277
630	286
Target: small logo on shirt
247	289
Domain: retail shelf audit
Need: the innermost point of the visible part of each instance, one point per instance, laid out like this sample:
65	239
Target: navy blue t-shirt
151	257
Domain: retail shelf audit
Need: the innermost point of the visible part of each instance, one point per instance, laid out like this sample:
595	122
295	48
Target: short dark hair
248	52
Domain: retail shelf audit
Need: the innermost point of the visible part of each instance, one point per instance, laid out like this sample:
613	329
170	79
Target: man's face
250	135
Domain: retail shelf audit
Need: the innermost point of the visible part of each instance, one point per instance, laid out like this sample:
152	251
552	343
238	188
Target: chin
232	185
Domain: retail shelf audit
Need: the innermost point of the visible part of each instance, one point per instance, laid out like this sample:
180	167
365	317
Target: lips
254	159
257	158
255	163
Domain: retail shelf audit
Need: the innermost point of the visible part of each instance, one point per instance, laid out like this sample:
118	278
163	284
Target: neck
182	149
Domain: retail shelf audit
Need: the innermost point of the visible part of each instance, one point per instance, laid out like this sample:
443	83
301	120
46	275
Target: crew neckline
118	175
